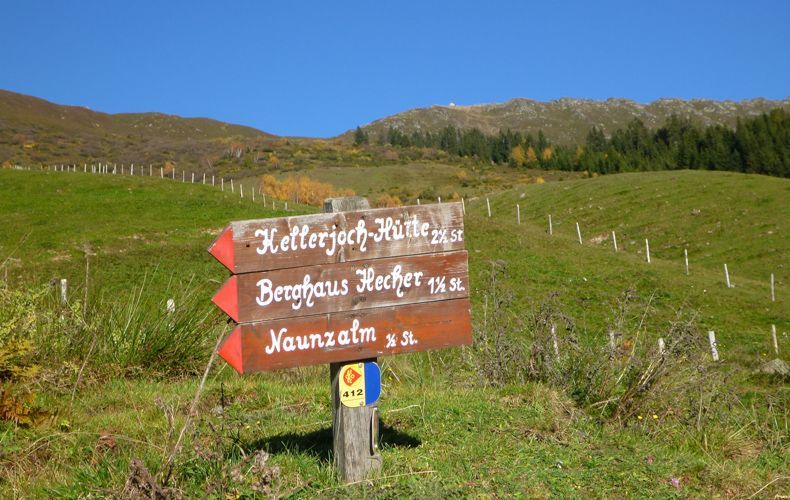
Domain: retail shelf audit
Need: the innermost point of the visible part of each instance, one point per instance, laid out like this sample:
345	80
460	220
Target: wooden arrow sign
267	244
326	338
342	287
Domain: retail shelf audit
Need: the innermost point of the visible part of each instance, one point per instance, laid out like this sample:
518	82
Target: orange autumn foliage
300	189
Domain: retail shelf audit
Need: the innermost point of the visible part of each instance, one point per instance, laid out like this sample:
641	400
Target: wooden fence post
686	259
773	296
554	341
551	227
463	206
647	250
614	241
64	287
773	337
518	213
488	205
579	233
354	430
714	347
727	276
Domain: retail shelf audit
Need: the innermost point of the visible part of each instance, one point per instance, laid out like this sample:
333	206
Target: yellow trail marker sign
352	385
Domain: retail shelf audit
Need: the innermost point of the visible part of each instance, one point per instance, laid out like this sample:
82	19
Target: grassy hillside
699	211
453	425
35	131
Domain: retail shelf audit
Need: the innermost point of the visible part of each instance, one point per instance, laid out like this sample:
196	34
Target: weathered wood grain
344	287
286	242
348	336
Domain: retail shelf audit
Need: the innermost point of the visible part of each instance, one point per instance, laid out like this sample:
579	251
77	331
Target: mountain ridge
567	120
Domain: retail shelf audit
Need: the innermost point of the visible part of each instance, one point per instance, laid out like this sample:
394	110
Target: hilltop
33	130
566	120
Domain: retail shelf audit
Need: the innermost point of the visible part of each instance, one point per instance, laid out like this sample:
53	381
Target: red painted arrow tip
222	249
227	298
230	350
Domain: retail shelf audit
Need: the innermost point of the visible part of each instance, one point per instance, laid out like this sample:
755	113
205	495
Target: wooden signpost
343	288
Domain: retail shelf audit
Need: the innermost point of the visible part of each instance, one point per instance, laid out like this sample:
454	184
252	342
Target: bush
126	333
616	375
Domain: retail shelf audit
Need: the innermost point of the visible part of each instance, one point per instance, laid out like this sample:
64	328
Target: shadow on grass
319	443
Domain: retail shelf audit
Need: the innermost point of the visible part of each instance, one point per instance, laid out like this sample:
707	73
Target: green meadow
109	377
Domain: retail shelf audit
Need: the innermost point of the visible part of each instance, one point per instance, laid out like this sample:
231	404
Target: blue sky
320	68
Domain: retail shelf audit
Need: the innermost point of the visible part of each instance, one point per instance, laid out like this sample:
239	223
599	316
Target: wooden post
253	194
231	186
286	206
183	176
193	177
64	287
554	341
488	205
686	258
161	173
150	170
241	190
518	213
439	198
418	201
132	171
354	430
773	337
773	296
551	227
223	184
647	250
212	180
174	173
204	177
614	241
579	233
463	206
714	350
727	276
